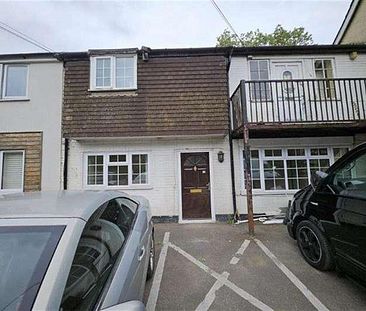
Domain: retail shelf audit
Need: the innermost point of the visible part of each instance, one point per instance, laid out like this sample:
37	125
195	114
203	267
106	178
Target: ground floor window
116	169
11	170
289	168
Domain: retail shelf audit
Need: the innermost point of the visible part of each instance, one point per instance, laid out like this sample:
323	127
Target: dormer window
118	72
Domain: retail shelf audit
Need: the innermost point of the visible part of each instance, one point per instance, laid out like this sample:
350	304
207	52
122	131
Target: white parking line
155	287
305	291
243	247
211	295
234	260
248	297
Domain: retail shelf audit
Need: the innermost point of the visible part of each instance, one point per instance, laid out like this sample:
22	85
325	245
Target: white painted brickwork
164	188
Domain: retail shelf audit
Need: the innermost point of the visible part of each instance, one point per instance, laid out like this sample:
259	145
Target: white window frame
3	75
105	170
112	87
1	170
284	158
259	60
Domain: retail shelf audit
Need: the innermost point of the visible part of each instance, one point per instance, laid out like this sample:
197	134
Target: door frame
179	186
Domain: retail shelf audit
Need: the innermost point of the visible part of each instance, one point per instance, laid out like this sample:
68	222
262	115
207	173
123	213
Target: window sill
134	187
14	99
10	191
269	192
112	90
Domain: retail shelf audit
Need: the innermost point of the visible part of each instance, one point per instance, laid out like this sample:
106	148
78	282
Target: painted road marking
248	297
211	295
234	260
305	291
243	247
240	251
155	287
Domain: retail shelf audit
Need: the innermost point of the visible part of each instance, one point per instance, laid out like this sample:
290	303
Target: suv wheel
314	246
151	266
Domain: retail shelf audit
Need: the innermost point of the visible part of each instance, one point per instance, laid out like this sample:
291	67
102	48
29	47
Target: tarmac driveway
217	267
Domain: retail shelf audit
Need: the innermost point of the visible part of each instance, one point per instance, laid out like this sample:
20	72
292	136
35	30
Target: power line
24	37
226	20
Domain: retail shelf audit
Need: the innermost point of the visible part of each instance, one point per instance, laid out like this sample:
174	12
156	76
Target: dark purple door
195	172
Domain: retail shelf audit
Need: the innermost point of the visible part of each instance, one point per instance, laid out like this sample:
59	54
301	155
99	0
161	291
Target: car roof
55	204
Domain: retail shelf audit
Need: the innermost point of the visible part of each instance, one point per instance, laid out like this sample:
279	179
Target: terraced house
153	123
304	107
30	122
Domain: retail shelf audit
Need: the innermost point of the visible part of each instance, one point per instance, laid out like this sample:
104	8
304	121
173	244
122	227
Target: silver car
74	251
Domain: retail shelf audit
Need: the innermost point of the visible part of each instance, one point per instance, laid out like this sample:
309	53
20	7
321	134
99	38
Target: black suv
328	217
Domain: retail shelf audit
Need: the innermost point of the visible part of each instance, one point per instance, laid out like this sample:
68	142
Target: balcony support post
247	166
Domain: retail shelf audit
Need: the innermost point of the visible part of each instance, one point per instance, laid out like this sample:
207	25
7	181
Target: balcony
290	107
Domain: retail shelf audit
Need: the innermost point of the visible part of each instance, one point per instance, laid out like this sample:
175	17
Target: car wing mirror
317	177
133	305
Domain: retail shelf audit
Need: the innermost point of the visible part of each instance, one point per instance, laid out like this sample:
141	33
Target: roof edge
346	21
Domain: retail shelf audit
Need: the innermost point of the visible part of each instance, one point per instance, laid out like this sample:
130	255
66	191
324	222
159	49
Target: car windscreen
25	253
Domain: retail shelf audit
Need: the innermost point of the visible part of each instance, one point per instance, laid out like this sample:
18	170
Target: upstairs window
14	79
324	70
114	72
259	70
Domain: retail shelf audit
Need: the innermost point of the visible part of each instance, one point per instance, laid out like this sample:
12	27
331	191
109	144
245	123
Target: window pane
351	178
95	256
12	175
16	80
139	168
117	175
103	72
254	163
125	72
25	252
339	152
95	170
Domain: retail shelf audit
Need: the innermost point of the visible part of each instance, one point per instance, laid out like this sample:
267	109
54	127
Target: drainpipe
66	157
232	170
233	190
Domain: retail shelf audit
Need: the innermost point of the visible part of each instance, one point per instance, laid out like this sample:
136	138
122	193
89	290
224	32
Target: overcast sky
79	26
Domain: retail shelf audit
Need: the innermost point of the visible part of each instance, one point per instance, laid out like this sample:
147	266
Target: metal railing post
247	166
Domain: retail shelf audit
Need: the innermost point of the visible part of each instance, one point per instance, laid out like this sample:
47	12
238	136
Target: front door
195	172
290	106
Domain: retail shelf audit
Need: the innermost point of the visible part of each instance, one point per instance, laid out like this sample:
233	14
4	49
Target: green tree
280	36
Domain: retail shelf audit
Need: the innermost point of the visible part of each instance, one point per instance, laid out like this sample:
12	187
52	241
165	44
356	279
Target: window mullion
284	157
1	169
129	171
261	168
105	169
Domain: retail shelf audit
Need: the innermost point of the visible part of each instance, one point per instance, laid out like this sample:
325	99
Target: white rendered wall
163	191
42	112
343	66
264	201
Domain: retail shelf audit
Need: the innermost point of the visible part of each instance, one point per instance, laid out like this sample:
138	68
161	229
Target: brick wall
31	143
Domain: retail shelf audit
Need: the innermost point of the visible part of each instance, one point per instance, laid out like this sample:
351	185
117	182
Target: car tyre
151	266
314	246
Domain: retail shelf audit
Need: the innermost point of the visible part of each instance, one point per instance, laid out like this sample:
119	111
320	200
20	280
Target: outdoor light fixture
353	55
220	156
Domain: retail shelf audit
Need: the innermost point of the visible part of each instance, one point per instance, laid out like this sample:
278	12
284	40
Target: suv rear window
25	253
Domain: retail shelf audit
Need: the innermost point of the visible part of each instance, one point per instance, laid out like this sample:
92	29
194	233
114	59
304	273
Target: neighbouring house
305	107
353	28
152	123
30	122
